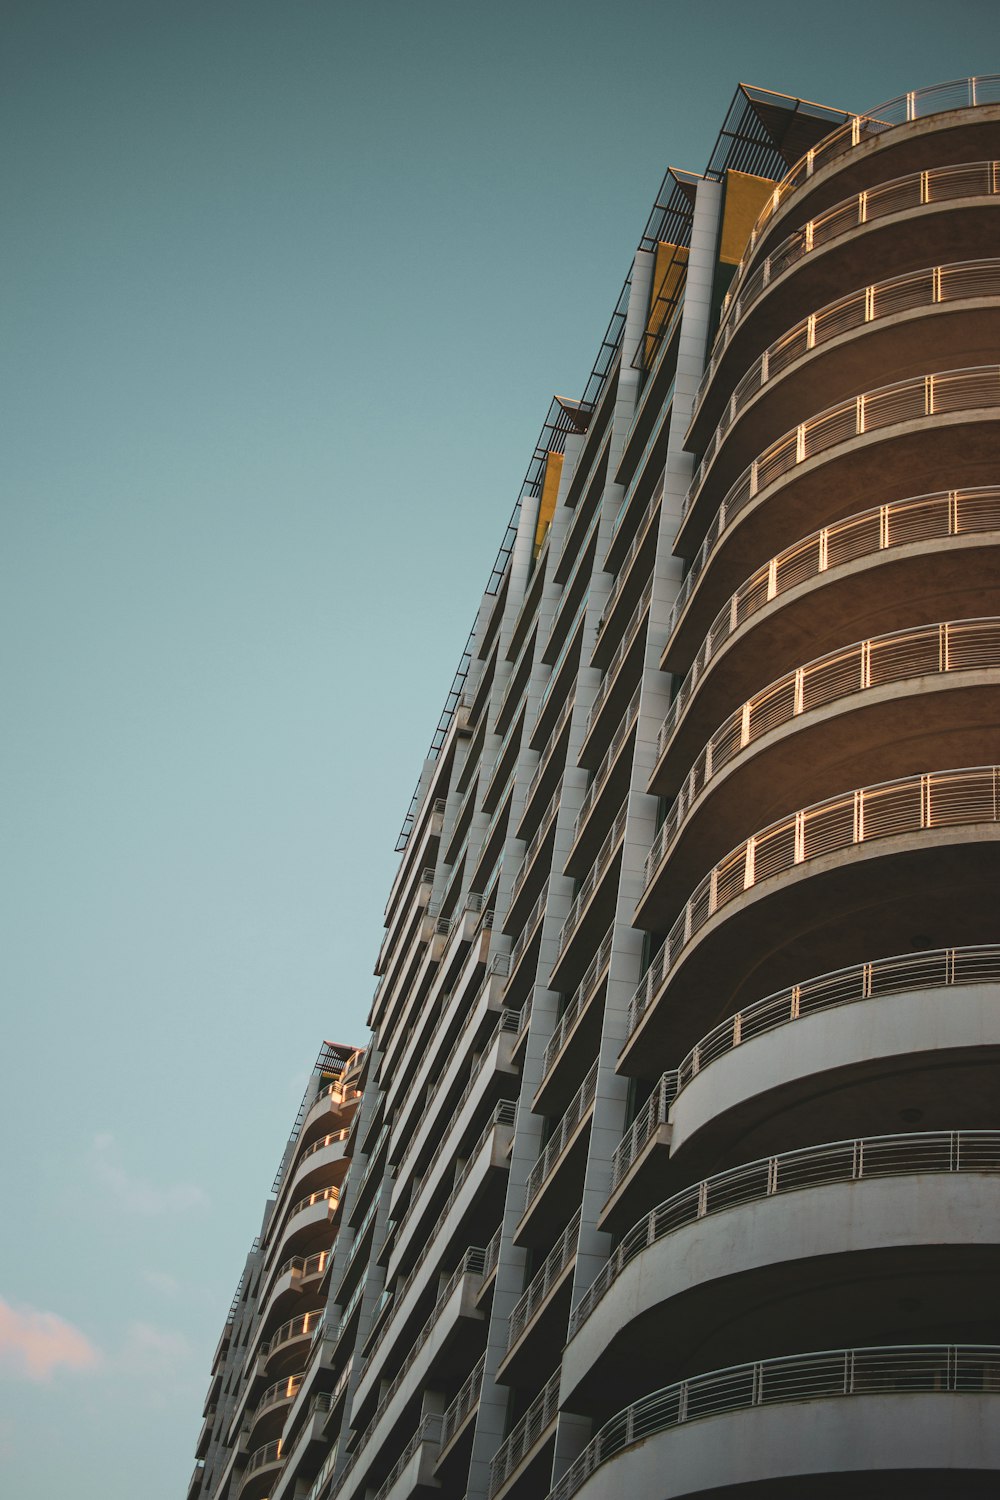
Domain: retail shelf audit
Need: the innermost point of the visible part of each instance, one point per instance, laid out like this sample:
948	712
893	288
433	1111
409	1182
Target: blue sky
286	290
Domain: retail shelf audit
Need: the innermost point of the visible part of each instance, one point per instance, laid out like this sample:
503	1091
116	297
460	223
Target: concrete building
264	1411
676	1167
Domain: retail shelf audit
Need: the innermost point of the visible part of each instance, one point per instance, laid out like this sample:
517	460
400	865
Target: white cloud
33	1344
162	1282
134	1193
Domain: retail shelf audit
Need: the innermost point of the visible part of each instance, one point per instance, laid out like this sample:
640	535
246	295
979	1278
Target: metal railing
276	1394
932	517
295	1328
932	287
576	1110
932	1151
935	968
467	1398
550	744
929	650
491	1256
918	104
327	1140
312	1265
522	1438
901	1369
599	779
547	819
646	520
560	661
621	651
530	927
596	873
552	1267
269	1454
909	804
582	996
428	1431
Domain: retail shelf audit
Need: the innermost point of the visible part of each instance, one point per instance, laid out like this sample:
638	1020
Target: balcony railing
930	650
600	867
328	1140
522	1438
936	968
910	804
932	287
543	1281
467	1398
925	518
295	1328
530	927
866	1157
541	832
621	651
428	1431
582	996
934	1369
269	1454
281	1391
600	776
311	1265
576	1110
918	104
649	515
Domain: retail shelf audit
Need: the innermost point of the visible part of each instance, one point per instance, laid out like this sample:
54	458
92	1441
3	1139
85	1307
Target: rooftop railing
600	867
918	104
930	650
910	804
576	1110
933	287
548	1273
522	1438
936	968
581	998
462	1405
932	517
902	1369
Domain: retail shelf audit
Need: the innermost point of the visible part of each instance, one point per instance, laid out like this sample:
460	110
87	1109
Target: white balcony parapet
866	1157
932	287
621	651
920	396
909	804
462	1405
582	996
552	1267
600	777
930	969
595	875
927	650
924	518
576	1110
958	1369
522	1438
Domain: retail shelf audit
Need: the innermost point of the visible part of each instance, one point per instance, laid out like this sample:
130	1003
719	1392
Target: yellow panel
744	200
668	278
547	505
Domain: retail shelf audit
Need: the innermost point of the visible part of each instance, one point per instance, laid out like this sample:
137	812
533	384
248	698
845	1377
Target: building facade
675	1170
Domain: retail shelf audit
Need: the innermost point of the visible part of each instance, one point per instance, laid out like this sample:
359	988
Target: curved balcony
327	1110
851	875
892	1039
779	1265
888	329
905	1420
269	1413
261	1470
879	708
291	1339
321	1161
308	1219
883	441
928	550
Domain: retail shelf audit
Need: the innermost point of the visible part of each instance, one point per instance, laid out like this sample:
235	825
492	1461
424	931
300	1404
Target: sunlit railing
933	968
544	1279
600	777
935	286
621	651
582	996
901	1369
312	1265
929	650
467	1398
943	392
911	804
815	1166
295	1328
269	1454
600	867
327	1140
276	1394
576	1110
925	518
522	1438
322	1195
